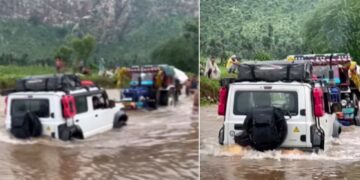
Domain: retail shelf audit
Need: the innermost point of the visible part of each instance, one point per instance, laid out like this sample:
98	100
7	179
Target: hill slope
250	27
125	29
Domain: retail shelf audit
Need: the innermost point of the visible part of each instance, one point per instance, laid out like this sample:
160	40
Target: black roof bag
48	83
275	72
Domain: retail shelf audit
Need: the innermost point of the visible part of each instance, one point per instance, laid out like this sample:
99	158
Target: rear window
40	107
245	100
81	104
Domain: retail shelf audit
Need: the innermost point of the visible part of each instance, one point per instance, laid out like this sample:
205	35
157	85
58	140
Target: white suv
276	105
77	113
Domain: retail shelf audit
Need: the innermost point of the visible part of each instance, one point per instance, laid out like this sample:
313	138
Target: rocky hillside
123	28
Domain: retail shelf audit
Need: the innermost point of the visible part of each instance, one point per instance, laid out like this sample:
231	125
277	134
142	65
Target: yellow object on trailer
354	75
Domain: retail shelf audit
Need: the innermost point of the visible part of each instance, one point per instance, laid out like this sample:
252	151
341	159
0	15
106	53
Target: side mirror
111	103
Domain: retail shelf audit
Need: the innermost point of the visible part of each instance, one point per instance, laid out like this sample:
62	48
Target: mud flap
221	136
317	137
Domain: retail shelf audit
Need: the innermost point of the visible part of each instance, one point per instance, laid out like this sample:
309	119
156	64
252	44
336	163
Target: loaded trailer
344	93
151	86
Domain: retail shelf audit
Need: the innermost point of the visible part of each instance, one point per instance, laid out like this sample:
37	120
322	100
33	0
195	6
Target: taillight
318	102
6	100
68	105
87	83
222	101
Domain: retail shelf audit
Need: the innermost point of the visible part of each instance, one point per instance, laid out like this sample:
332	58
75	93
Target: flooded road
161	144
341	161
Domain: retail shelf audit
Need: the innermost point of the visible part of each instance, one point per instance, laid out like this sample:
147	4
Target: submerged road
160	144
341	161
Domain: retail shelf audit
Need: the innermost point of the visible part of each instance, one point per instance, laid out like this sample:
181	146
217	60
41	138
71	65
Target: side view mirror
111	103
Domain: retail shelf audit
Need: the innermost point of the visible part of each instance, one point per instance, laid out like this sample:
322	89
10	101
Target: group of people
212	70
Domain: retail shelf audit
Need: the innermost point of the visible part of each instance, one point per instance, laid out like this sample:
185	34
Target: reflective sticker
296	130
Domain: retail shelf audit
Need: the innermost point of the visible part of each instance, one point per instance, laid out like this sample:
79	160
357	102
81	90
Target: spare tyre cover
266	127
20	126
36	126
26	126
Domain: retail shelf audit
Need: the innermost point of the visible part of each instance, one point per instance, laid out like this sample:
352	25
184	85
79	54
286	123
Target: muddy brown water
340	161
160	144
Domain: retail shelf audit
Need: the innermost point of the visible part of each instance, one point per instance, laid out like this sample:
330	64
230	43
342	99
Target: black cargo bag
48	83
266	127
275	72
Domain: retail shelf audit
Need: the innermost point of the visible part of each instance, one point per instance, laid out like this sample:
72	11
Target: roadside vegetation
258	30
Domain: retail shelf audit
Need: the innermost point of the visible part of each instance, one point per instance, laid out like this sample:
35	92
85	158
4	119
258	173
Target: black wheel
65	134
221	136
121	122
164	98
152	104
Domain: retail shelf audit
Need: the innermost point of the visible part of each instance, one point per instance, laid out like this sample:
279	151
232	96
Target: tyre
164	98
121	121
65	134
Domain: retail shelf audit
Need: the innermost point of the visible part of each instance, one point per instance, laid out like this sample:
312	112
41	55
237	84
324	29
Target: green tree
334	27
64	53
83	48
181	52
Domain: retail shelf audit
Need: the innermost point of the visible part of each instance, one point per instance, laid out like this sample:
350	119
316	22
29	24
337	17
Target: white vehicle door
85	117
104	116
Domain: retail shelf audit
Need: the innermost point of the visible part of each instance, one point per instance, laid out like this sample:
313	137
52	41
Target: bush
209	90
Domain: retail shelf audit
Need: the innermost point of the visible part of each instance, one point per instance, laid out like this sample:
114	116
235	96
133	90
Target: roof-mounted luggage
280	71
61	82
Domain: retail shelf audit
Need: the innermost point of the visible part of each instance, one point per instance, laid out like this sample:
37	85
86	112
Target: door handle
77	120
96	115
